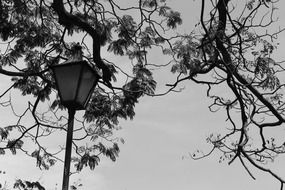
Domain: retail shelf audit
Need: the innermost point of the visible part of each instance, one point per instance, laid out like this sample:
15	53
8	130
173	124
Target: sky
158	141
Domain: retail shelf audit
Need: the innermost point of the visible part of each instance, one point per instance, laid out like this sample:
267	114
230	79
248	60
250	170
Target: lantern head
75	82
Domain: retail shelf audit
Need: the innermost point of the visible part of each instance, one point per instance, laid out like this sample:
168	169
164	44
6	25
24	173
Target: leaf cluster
91	160
27	185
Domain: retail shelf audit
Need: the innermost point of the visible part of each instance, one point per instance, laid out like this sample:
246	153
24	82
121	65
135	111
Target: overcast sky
158	141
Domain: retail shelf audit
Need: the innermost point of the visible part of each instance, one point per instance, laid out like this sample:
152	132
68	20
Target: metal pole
68	148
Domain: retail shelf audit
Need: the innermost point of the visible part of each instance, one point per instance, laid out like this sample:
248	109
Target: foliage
232	48
25	185
35	35
235	52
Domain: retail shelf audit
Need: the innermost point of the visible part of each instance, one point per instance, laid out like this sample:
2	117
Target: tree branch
70	21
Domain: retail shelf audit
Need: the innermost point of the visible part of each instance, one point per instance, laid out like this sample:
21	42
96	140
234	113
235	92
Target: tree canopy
36	35
231	47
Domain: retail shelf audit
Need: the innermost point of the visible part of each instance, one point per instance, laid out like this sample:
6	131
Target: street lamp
75	81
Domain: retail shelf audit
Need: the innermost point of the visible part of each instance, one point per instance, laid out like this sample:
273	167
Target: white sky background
158	140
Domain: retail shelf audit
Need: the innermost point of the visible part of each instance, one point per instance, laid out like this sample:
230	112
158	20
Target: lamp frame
73	104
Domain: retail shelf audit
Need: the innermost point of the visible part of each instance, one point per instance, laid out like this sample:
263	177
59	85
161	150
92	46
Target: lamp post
75	81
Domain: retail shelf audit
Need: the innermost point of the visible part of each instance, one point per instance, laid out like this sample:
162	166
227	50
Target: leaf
13	150
51	162
19	184
163	10
14	144
4	133
2	151
117	46
271	82
79	166
27	185
127	27
150	31
249	5
6	29
159	40
113	152
111	155
35	153
38	185
149	3
175	68
173	19
180	68
8	60
93	161
167	52
146	41
84	159
91	164
57	104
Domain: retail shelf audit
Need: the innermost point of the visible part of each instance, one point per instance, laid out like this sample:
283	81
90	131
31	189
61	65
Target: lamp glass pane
67	77
88	79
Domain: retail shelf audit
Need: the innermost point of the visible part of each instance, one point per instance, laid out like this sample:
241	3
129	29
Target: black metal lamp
75	80
75	83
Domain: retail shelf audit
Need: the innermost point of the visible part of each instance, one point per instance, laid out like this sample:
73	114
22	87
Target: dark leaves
159	40
39	40
146	41
9	59
87	160
27	85
149	3
106	110
2	151
187	54
143	83
112	152
6	26
264	69
92	160
100	105
118	46
4	133
19	184
163	10
31	85
13	145
5	30
44	160
127	27
173	19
